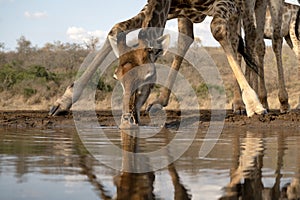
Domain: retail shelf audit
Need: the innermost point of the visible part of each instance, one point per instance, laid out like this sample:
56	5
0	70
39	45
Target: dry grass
42	100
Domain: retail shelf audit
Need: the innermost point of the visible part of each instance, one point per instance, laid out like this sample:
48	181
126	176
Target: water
54	164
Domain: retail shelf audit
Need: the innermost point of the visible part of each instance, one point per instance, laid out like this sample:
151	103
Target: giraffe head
136	72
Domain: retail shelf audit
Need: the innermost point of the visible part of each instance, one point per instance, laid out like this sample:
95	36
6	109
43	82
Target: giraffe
254	40
289	30
253	19
225	15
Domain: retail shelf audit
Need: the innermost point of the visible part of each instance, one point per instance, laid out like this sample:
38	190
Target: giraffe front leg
221	32
75	89
63	103
185	39
238	105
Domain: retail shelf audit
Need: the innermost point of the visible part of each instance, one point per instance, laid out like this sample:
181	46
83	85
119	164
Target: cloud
35	15
76	34
201	30
79	34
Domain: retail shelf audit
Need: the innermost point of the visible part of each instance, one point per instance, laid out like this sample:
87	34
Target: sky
44	21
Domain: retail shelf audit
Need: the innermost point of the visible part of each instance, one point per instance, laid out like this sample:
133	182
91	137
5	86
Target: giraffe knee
218	29
277	39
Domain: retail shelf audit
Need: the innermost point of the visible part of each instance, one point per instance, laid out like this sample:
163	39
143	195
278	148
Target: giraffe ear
163	42
160	48
114	45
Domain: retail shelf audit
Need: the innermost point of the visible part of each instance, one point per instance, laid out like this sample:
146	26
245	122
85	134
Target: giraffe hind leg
221	32
276	13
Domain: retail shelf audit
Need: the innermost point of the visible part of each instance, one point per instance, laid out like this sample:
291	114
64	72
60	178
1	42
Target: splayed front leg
90	65
185	39
160	102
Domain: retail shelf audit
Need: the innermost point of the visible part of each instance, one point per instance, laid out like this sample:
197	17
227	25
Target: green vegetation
13	75
43	72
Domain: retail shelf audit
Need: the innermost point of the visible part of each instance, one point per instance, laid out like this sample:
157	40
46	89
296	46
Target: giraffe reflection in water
246	172
140	185
133	185
263	165
130	185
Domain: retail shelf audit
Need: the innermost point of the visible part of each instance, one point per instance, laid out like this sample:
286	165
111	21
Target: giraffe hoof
285	109
238	108
258	111
153	108
56	111
127	126
128	122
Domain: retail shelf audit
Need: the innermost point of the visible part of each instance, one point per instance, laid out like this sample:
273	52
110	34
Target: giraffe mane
297	24
152	5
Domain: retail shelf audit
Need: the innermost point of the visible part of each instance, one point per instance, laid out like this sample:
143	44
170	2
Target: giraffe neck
156	16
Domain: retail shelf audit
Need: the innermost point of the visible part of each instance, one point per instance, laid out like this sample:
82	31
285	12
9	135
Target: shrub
104	86
28	92
202	90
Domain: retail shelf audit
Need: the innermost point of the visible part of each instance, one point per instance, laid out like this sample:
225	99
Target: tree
2	46
92	43
2	54
197	42
24	45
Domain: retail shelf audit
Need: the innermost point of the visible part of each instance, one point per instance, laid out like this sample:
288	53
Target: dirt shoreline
41	119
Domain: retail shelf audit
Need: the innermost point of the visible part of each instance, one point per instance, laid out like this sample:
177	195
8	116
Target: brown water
54	164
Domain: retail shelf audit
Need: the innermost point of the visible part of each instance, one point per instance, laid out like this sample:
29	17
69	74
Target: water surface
54	164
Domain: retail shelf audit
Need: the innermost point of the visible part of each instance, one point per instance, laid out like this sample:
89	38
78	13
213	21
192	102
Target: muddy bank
41	119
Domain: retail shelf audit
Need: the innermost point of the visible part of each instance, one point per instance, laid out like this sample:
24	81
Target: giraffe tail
248	59
297	24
